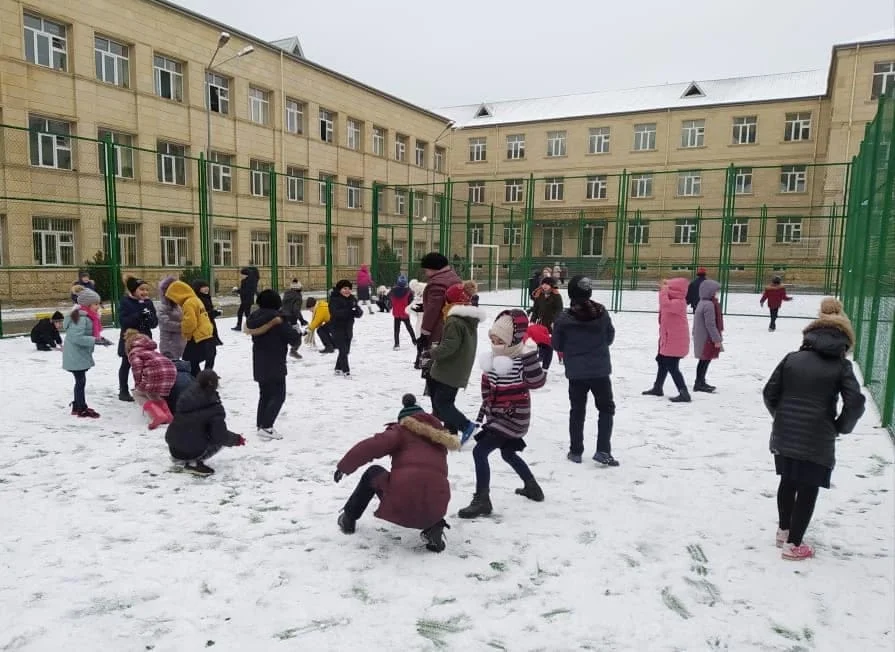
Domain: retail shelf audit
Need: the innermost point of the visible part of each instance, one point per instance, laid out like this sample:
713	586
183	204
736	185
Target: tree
389	265
100	269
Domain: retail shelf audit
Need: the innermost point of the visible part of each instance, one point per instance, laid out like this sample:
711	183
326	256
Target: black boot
480	506
532	490
704	387
433	536
683	396
655	391
347	523
124	395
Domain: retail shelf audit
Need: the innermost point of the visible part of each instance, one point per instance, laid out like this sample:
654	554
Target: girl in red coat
775	295
674	338
154	376
416	492
401	297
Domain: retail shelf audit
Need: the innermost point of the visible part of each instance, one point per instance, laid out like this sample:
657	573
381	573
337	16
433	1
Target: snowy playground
106	547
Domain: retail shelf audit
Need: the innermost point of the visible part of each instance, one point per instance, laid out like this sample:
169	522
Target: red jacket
153	373
539	333
400	298
416	492
775	295
433	301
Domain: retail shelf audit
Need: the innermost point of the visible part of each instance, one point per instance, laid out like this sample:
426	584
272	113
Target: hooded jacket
77	354
153	373
674	331
45	333
706	326
212	312
269	348
248	286
775	295
693	291
401	298
320	315
342	313
195	325
454	357
546	308
170	337
199	423
583	333
433	302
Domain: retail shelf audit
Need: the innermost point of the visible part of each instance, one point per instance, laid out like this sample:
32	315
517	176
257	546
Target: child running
400	298
775	294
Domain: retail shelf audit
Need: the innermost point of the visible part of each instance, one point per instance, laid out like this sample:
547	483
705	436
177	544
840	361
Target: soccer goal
478	271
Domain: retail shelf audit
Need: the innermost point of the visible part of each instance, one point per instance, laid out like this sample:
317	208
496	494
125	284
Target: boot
532	491
346	523
655	391
125	396
167	408
682	397
433	536
702	386
480	506
157	411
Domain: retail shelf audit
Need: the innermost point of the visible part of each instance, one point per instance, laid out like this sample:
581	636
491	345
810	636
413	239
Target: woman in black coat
203	291
801	396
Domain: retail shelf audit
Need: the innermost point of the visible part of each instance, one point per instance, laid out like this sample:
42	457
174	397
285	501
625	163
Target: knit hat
408	401
56	316
83	272
269	300
434	260
461	293
402	281
208	379
549	280
86	296
198	284
296	285
509	328
580	288
344	283
701	271
132	283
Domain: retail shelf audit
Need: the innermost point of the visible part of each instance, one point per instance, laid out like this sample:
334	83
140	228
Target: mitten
241	441
417	308
338	475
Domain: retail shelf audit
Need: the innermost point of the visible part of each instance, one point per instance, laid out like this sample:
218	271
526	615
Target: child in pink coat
674	338
154	376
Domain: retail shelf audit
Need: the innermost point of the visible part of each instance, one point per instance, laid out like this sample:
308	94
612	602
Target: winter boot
574	457
170	415
198	468
532	491
88	413
704	387
655	391
480	506
125	396
157	412
781	537
682	397
347	523
433	536
792	552
605	459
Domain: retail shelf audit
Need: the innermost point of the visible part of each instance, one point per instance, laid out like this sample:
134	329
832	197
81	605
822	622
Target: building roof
887	34
710	92
292	45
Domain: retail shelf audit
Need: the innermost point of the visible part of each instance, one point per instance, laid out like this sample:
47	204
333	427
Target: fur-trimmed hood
830	334
424	426
467	312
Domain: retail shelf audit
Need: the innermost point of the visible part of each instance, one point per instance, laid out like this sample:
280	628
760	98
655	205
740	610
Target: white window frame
420	151
55	45
220	177
477	234
171	69
589	233
122	151
554	236
171	165
217	89
554	189
295	116
692	134
512	236
686	231
739	231
689	183
478	149
476	193
51	143
743	181
353	134
296	249
354	193
400	148
259	176
259	105
516	147
54	235
259	243
638	233
419	201
179	238
321	187
745	130
327	120
324	245
597	186
400	202
645	137
380	136
788	230
598	140
112	61
222	247
127	242
798	127
295	184
642	185
353	247
793	179
883	78
556	144
439	159
399	247
514	189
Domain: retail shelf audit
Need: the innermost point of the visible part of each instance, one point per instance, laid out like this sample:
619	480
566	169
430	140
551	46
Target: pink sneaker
782	536
793	552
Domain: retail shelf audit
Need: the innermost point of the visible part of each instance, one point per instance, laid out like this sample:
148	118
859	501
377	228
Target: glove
338	475
417	308
529	346
241	441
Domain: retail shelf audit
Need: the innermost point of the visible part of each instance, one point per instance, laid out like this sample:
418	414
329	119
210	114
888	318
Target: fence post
727	233
410	216
828	258
527	236
843	224
112	227
621	230
510	262
328	189
695	262
762	243
274	235
468	234
206	257
374	235
491	250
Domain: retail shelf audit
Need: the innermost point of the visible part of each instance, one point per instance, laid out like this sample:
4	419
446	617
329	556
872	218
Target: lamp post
223	39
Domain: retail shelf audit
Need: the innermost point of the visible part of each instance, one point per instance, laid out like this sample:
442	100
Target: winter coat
364	283
433	302
77	354
182	381
674	331
196	325
546	308
693	292
706	326
44	333
248	286
803	391
583	334
539	334
137	314
170	339
400	298
199	422
292	303
342	313
153	373
320	315
533	284
775	295
454	357
506	391
212	313
269	349
416	492
84	284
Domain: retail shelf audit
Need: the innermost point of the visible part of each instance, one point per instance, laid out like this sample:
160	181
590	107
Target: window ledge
597	154
596	199
799	192
516	160
644	151
642	198
807	141
472	162
744	144
700	196
682	148
548	156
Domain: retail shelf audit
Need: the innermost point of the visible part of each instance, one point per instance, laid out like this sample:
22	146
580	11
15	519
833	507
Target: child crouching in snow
154	376
45	334
510	371
416	492
199	428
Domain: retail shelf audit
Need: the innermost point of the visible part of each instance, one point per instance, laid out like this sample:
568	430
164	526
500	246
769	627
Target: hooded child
775	294
45	334
135	311
364	287
248	288
77	354
293	302
196	326
400	297
418	288
708	326
203	292
547	306
154	376
170	317
674	339
343	310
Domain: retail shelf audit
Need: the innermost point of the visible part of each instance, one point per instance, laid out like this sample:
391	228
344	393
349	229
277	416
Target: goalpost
495	263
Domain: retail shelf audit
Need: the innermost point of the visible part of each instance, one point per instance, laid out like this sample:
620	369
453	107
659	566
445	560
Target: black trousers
124	372
326	338
342	342
601	388
488	442
702	368
774	313
80	401
208	453
672	366
795	506
443	407
545	355
244	309
271	396
407	326
363	493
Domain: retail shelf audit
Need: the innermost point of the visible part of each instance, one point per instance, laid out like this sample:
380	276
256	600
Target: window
596	187
478	149
295	183
54	241
638	233
641	185
421	153
127	242
436	208
260	241
439	159
645	137
175	242
355	193
598	141
260	180
222	245
399	247
221	172
689	184
355	139
259	105
513	191
693	133
322	178
354	246
516	147
883	78
379	141
400	148
554	189
418	203
789	230
295	116
327	246
168	75
743	181
798	127
122	153
685	231
111	60
296	244
420	246
512	236
793	178
217	94
327	125
171	163
745	130
556	143
552	245
45	42
400	202
477	234
739	231
50	142
380	198
476	192
592	240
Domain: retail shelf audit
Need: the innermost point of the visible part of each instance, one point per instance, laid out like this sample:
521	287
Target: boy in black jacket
248	288
45	333
292	304
343	310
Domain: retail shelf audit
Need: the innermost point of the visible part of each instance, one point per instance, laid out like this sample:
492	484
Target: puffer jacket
674	331
153	373
171	341
270	346
506	391
546	308
803	392
706	327
320	315
583	333
196	324
199	422
434	302
454	357
292	303
137	314
77	354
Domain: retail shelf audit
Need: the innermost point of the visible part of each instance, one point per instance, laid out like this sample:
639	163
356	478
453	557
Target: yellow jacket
196	324
321	314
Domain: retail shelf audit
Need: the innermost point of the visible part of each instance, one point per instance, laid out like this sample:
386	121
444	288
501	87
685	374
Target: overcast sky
467	51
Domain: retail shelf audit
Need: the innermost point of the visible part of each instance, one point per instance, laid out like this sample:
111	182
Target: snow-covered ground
105	548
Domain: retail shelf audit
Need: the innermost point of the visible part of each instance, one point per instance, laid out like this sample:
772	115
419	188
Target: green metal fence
868	289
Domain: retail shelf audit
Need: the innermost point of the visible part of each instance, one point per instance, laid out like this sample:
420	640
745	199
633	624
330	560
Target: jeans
342	342
271	396
601	388
795	506
443	398
774	313
702	368
244	310
80	401
545	355
124	372
489	441
406	322
669	365
362	495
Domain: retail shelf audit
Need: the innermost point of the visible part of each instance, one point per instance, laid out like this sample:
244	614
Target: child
775	295
170	318
343	310
182	381
452	359
400	298
583	335
248	288
708	324
510	371
203	292
91	302
77	354
271	335
416	306
364	287
199	428
196	326
416	492
674	339
292	303
84	282
382	299
135	310
801	396
320	324
546	308
45	334
154	376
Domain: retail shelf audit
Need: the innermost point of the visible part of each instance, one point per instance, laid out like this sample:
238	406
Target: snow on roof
736	90
292	45
887	34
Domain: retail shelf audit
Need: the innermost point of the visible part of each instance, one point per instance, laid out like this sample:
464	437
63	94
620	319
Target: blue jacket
77	352
583	334
133	313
